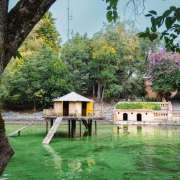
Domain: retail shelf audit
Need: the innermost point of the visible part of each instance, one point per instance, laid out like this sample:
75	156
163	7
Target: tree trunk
94	90
34	105
99	91
102	95
5	149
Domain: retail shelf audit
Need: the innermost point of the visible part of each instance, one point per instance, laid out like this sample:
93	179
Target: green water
135	153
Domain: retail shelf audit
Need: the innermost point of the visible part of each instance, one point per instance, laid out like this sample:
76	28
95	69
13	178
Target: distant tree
102	65
164	71
129	62
166	79
43	34
77	54
38	80
47	31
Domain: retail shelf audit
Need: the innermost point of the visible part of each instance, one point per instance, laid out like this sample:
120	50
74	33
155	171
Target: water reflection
146	130
56	158
75	166
139	129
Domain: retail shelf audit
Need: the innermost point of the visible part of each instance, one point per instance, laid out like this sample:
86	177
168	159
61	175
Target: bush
138	105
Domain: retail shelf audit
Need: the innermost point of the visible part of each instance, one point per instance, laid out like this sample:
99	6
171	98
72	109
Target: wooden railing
49	112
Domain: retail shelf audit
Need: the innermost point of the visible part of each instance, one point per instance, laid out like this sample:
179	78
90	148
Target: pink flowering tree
164	72
159	57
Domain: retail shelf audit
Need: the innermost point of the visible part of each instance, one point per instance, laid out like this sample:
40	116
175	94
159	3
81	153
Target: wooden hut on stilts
72	108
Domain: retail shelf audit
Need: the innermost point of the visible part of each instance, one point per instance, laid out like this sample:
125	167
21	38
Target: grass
138	105
135	153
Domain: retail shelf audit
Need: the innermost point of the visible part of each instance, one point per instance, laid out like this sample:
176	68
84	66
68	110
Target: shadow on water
77	134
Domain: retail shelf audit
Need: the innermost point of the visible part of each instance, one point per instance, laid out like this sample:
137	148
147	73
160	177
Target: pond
135	153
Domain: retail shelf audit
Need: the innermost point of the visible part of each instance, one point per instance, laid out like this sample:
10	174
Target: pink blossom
159	57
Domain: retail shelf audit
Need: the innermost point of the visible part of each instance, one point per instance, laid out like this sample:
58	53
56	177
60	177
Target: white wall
132	115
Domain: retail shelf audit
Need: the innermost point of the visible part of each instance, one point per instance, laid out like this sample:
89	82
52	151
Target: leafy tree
110	65
166	78
164	70
102	65
170	20
129	61
76	53
47	31
39	79
166	25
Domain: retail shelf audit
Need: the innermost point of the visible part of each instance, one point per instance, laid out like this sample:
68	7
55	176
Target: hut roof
73	97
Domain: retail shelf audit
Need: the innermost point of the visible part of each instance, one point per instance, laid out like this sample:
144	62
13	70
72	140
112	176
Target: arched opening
139	117
125	116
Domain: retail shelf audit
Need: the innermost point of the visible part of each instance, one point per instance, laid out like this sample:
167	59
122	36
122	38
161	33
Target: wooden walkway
18	132
53	130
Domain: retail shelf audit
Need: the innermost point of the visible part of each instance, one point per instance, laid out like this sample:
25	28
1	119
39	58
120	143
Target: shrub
138	105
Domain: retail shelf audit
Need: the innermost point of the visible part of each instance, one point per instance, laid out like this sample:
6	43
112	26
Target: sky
88	16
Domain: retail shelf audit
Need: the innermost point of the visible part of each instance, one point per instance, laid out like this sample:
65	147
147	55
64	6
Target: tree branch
21	20
3	28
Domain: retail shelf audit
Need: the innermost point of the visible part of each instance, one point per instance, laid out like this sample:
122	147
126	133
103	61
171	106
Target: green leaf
153	12
109	16
142	34
153	36
148	15
177	14
166	13
169	22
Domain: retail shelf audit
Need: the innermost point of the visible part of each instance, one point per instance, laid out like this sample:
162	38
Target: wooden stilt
74	129
90	127
80	127
46	126
69	128
88	122
95	125
51	123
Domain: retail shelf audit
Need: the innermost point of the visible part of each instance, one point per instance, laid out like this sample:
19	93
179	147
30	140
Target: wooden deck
86	121
77	118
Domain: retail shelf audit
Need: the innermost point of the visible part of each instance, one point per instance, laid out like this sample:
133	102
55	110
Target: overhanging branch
21	20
